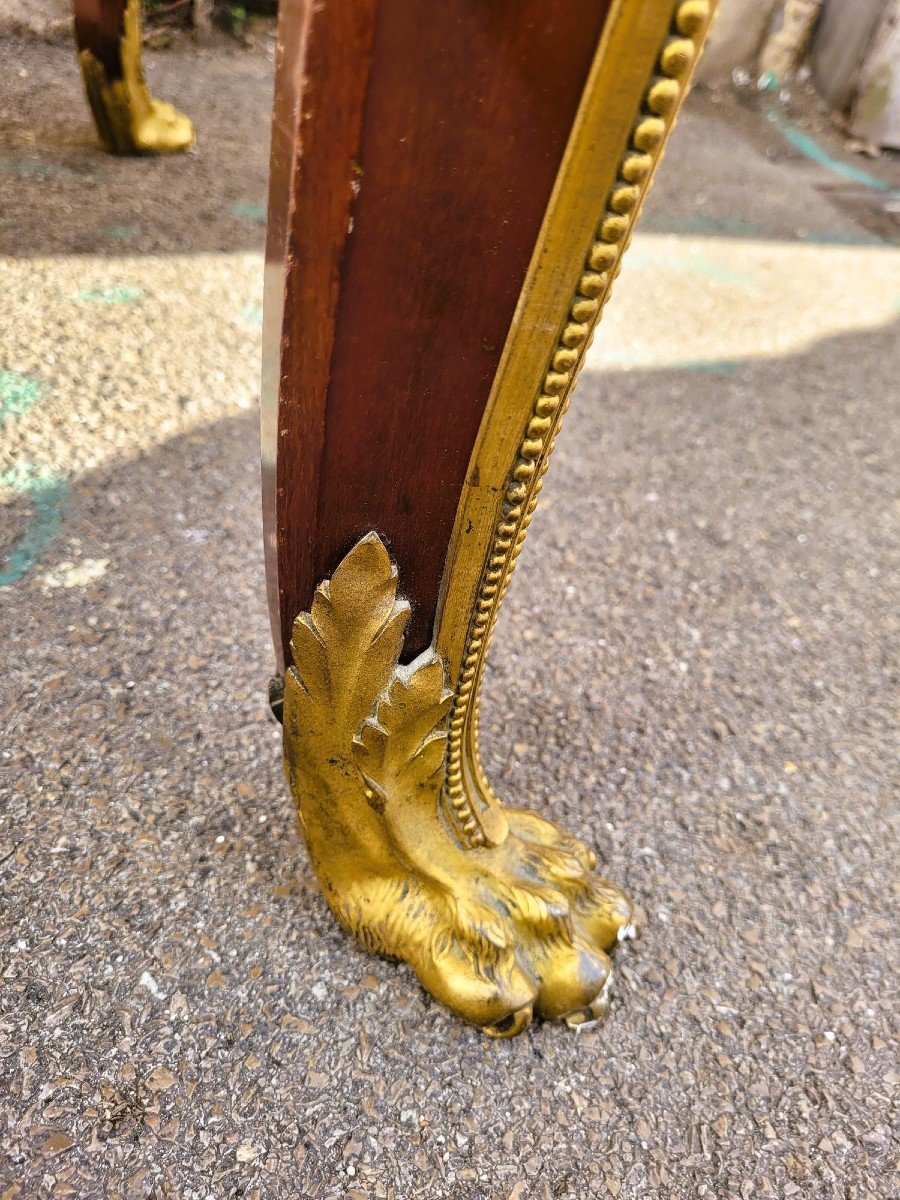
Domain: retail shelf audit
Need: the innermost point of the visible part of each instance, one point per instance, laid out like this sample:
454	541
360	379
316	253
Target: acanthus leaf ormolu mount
451	192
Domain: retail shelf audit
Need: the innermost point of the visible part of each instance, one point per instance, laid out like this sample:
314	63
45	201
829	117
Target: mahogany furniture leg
452	188
129	120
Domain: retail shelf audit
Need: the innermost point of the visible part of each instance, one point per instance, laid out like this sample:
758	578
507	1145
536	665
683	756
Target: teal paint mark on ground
29	168
122	231
811	150
734	227
17	394
692	264
850	238
252	315
119	294
251	212
709	366
706	226
47	493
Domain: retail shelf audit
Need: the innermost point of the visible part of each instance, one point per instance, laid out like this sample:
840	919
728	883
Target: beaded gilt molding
468	797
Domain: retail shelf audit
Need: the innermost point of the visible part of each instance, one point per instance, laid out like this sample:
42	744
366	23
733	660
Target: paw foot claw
591	1014
604	911
571	977
508	933
515	1023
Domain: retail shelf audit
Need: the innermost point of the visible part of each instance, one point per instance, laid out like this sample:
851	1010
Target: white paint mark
147	981
73	575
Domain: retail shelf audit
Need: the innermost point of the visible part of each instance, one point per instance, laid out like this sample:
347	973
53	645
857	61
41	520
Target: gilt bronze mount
496	932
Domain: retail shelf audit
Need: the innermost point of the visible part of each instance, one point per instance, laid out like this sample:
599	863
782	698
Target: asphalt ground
695	671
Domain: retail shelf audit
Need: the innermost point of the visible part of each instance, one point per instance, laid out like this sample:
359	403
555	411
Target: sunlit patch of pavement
125	355
103	360
700	302
130	352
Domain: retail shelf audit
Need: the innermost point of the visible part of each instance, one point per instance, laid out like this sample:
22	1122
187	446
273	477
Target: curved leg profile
129	120
432	288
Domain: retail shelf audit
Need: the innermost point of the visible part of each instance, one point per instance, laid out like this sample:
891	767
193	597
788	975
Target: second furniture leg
129	120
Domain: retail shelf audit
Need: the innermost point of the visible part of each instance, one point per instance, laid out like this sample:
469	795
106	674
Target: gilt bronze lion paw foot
497	932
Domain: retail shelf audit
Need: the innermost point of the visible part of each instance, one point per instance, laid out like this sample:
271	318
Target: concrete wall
876	106
840	45
735	39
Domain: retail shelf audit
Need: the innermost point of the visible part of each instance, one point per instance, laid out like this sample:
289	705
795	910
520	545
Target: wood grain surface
415	148
98	28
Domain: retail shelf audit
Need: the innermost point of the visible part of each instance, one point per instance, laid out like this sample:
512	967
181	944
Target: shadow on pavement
694	671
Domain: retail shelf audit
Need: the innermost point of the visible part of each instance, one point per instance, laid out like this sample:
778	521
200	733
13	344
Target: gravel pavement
696	671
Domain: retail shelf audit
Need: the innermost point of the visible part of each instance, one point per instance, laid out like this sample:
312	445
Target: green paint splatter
121	231
252	212
707	226
693	264
846	238
17	394
711	268
811	149
118	294
734	227
711	366
25	168
47	493
252	315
